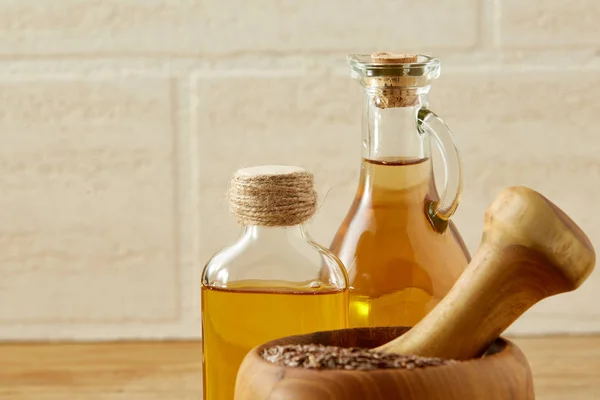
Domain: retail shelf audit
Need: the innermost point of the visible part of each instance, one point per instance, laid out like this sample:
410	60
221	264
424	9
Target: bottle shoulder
292	260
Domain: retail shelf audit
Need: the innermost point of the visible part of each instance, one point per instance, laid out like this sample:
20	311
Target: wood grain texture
563	367
503	373
133	371
530	250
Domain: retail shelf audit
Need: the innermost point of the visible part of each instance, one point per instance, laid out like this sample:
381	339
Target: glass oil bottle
274	281
401	250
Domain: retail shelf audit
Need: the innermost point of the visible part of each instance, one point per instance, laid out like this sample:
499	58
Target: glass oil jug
400	248
274	281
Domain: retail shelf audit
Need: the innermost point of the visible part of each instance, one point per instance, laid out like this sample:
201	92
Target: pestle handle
530	250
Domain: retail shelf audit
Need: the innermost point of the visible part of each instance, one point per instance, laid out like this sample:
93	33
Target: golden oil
399	266
273	281
241	317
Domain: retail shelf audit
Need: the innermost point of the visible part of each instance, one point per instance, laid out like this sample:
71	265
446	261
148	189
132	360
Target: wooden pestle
530	250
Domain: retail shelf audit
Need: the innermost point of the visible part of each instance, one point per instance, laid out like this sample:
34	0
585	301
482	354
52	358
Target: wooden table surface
563	367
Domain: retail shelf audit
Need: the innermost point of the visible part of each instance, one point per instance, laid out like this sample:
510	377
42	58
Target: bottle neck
274	235
390	134
396	155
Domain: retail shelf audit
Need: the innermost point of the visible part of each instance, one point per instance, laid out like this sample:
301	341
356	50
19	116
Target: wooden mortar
530	250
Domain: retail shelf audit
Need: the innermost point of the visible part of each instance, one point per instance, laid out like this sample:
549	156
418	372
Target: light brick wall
121	121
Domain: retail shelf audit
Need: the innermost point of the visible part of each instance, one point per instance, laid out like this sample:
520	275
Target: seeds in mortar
313	356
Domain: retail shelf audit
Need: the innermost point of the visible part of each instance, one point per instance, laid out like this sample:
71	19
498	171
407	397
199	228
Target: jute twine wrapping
395	90
272	196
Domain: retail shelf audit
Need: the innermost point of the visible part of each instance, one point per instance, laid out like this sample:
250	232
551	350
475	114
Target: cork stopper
272	195
384	57
396	91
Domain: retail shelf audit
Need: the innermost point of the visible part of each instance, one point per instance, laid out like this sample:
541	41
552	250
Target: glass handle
440	211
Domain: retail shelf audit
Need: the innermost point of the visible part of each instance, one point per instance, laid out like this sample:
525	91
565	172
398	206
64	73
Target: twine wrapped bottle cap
272	195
